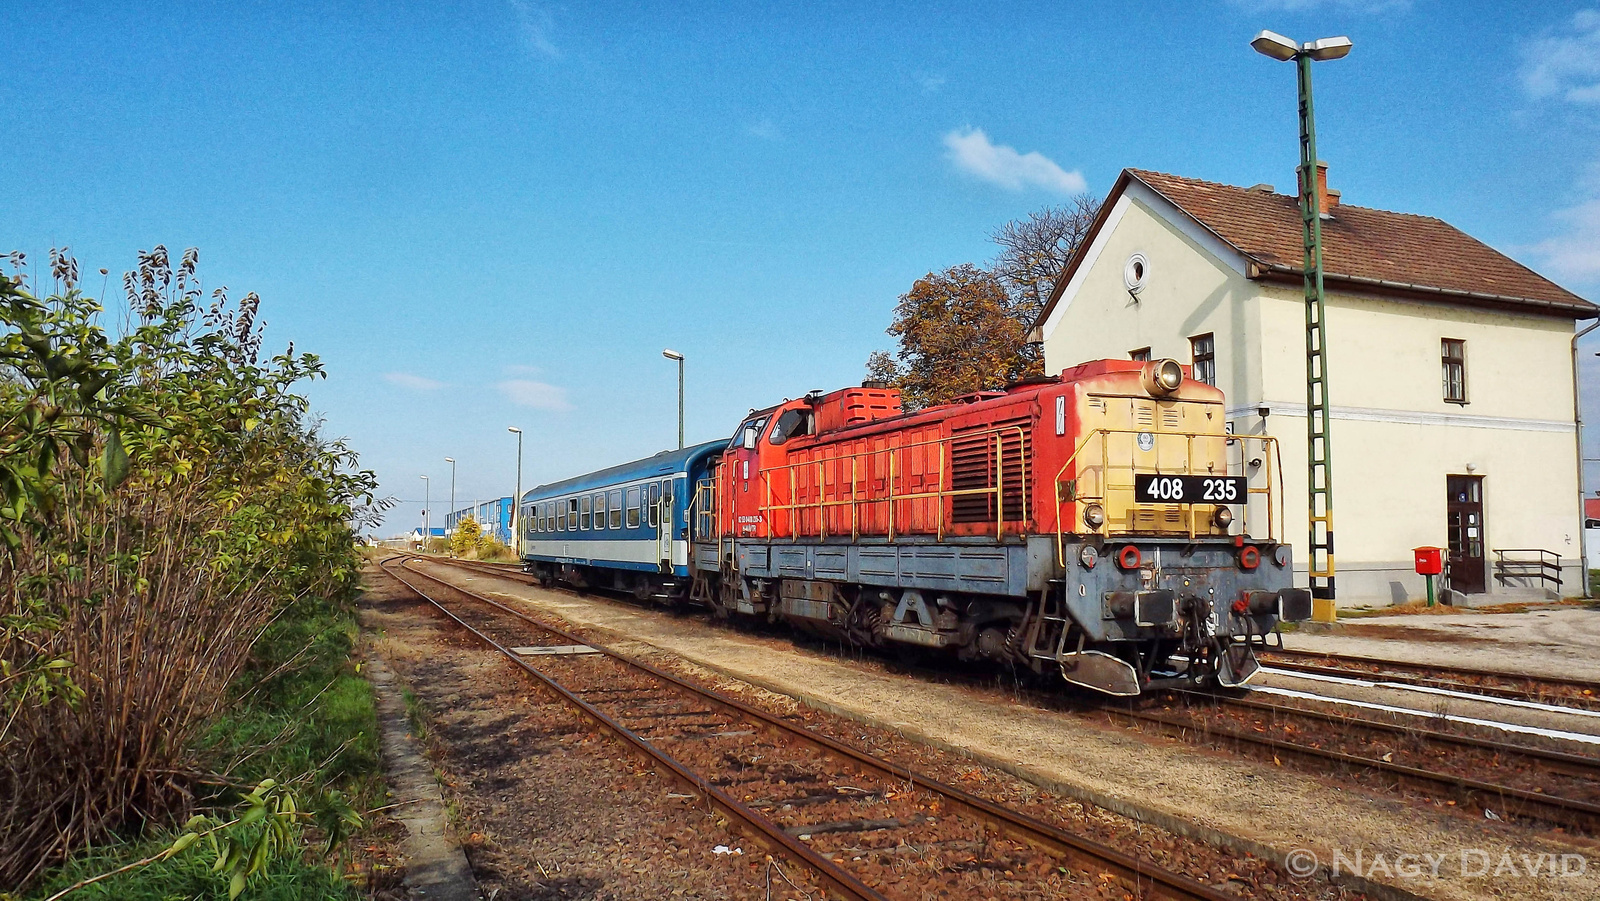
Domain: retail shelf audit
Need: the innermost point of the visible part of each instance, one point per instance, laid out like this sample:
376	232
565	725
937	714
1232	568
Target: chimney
1326	199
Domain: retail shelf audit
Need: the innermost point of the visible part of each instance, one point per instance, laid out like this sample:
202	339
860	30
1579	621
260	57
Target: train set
1103	522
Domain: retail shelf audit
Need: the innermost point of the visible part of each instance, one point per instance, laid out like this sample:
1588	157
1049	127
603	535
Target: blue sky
498	213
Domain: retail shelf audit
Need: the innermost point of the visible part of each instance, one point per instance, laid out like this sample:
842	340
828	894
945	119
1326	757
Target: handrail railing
1546	566
1270	459
859	504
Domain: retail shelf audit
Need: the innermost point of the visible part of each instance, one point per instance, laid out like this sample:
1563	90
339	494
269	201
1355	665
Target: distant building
493	516
1449	371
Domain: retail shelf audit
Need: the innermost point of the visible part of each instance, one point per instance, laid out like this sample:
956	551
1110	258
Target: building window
1203	355
1142	355
1453	355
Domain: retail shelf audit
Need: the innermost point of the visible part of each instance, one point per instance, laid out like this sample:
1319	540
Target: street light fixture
427	501
674	355
452	462
516	500
1319	451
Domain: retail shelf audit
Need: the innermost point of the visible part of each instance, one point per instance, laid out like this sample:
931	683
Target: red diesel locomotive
1102	522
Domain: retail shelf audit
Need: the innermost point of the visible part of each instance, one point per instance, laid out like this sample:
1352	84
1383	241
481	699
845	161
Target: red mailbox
1430	560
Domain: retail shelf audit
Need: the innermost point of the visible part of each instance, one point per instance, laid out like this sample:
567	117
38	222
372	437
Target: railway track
1512	780
832	808
1491	683
1554	787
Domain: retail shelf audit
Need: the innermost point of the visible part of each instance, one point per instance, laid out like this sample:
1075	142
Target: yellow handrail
892	498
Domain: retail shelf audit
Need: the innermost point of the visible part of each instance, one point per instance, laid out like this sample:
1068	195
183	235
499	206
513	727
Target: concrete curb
436	868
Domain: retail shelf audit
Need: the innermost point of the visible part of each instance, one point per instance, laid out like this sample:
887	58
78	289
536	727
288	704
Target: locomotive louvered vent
972	467
1172	419
1144	416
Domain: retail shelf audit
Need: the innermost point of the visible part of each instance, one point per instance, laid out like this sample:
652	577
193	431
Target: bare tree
1034	251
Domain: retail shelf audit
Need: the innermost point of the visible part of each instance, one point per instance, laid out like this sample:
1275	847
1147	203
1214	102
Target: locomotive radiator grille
973	464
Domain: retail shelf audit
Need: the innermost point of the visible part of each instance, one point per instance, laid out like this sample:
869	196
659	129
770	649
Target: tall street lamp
452	462
427	501
1319	453
516	500
674	355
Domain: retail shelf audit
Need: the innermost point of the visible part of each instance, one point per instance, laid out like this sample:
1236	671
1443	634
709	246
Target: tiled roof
1365	247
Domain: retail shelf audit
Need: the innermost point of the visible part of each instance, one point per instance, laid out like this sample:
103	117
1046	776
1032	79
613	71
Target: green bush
171	519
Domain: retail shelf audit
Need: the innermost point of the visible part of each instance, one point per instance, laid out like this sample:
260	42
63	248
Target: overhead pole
1319	445
1320	567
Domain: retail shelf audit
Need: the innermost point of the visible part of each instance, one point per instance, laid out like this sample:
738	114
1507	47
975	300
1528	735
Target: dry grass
156	638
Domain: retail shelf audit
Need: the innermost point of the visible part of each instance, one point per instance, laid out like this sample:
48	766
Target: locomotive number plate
1149	488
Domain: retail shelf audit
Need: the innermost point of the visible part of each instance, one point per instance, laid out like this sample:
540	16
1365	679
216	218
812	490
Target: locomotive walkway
1236	803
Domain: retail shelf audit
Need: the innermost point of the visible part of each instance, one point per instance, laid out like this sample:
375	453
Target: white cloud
972	152
1565	63
414	382
1575	254
931	82
764	130
521	369
538	395
534	24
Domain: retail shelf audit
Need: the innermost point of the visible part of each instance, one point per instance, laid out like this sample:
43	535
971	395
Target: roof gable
1363	249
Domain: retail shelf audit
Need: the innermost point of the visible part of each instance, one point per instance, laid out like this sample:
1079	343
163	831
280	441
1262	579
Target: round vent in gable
1136	272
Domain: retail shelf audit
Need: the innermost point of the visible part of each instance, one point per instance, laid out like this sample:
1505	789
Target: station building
1450	373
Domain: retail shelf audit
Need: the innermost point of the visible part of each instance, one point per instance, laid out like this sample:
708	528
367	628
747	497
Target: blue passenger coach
626	527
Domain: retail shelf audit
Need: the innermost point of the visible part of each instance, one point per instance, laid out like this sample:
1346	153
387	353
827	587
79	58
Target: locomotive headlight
1088	556
1223	517
1162	377
1094	516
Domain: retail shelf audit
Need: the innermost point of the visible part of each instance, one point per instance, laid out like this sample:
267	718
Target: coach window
1203	355
600	511
549	517
615	506
561	516
1142	355
1453	356
633	508
583	513
572	514
655	505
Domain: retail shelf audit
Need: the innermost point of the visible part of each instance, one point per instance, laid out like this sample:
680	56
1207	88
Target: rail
1537	563
1146	879
861	469
1072	490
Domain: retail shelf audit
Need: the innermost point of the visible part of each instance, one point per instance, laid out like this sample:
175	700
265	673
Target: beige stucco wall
1394	436
1189	292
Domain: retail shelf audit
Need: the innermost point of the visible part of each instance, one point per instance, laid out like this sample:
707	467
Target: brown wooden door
1464	512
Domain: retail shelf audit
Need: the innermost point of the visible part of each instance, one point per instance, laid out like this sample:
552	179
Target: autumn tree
965	329
956	335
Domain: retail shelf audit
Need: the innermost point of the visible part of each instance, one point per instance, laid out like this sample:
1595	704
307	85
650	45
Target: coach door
661	518
1464	524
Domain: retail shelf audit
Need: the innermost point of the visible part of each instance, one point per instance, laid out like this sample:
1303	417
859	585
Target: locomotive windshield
758	423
